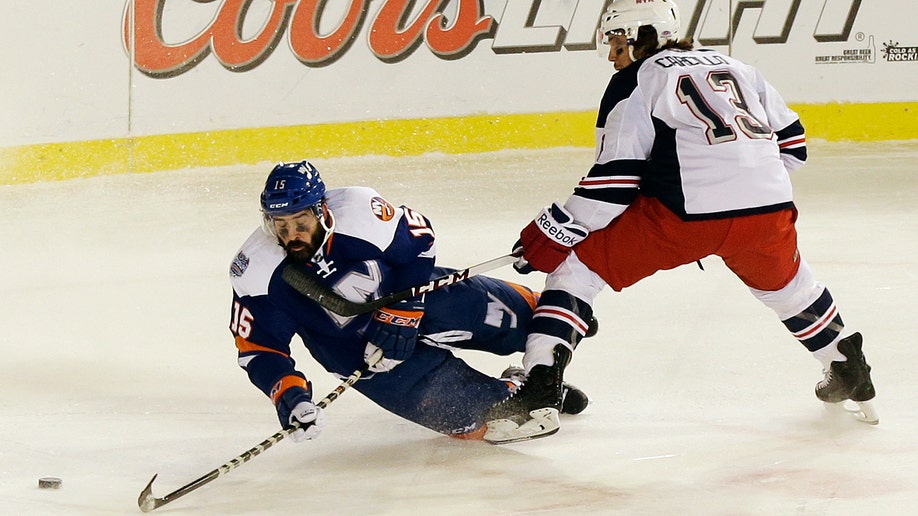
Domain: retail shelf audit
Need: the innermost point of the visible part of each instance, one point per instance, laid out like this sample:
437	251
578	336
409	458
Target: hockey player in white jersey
355	242
694	155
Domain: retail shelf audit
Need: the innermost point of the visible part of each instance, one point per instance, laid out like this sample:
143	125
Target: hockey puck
49	483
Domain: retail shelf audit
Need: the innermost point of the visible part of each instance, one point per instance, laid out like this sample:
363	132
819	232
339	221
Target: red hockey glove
548	239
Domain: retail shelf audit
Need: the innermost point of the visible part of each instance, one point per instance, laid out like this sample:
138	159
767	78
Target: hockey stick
304	283
147	502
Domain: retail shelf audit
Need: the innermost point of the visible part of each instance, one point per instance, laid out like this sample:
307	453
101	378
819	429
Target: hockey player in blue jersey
694	151
357	243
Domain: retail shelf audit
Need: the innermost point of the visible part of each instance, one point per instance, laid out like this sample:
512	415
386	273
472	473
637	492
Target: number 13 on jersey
719	130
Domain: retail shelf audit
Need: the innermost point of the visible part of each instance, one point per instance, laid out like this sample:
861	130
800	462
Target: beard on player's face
303	250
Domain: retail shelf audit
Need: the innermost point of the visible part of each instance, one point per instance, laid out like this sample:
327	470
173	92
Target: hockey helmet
292	188
625	17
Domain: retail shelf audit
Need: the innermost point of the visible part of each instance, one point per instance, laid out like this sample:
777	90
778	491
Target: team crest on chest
382	209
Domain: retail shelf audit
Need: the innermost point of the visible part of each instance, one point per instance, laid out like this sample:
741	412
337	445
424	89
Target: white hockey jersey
702	132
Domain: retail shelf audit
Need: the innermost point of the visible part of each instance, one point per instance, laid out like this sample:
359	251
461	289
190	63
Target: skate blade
862	411
543	422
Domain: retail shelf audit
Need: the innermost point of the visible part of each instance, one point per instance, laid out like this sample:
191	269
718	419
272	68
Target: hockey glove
394	330
295	407
547	240
521	265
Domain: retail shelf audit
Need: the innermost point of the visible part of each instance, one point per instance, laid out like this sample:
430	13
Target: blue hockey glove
295	406
394	330
548	240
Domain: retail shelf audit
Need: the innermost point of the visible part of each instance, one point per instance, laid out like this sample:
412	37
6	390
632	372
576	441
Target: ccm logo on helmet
555	232
278	205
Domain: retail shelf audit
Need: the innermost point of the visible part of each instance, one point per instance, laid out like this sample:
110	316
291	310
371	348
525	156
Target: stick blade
146	501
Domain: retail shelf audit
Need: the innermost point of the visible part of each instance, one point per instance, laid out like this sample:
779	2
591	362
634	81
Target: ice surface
117	362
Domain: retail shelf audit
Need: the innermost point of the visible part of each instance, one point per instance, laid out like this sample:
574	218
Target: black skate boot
573	400
850	380
532	411
541	389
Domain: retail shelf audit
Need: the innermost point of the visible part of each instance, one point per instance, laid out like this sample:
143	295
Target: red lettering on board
392	37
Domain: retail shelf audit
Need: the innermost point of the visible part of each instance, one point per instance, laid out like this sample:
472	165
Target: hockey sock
817	326
560	318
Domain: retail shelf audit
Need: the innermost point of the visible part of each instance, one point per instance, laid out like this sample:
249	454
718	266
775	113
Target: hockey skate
573	400
532	411
849	380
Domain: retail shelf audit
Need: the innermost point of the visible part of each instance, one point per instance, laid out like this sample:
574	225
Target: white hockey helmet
627	16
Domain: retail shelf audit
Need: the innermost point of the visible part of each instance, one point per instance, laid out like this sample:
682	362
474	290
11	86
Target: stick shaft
148	502
305	283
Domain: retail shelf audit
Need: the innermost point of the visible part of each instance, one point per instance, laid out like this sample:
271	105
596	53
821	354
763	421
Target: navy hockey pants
438	390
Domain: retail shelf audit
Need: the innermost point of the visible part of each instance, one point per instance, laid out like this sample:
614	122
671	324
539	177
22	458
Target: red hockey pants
648	237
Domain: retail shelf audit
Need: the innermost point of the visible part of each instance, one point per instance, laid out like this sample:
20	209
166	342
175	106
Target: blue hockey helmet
292	188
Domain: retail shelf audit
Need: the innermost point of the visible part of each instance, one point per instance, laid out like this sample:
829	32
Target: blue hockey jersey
375	249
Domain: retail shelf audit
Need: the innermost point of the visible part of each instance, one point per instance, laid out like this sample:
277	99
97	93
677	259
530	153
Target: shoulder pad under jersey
360	212
255	263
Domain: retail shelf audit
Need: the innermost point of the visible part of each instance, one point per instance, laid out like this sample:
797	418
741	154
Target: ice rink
118	364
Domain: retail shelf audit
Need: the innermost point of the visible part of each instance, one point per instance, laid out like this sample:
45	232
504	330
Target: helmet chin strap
620	50
327	222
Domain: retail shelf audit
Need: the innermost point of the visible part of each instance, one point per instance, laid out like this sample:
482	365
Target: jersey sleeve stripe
618	196
610	182
792	143
792	139
619	167
246	347
285	383
615	182
798	153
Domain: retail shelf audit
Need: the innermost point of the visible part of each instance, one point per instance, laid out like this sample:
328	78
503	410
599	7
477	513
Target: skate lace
826	380
513	391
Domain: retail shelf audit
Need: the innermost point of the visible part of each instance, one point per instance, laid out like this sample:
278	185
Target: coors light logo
393	35
399	27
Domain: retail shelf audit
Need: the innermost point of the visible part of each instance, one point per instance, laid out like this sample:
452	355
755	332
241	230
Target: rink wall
114	86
